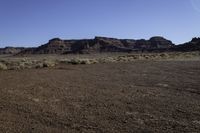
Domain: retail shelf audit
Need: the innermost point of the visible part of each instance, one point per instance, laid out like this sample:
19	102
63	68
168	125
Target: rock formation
99	44
104	44
193	45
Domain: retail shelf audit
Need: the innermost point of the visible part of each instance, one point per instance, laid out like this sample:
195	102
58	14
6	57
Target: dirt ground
140	96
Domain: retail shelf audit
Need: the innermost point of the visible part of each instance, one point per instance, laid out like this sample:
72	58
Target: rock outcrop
193	45
99	44
104	44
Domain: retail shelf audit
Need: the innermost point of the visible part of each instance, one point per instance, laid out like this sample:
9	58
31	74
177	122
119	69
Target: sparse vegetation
49	61
3	66
76	61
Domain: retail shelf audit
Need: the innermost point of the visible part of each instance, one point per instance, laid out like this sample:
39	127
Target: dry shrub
3	66
38	65
93	61
85	61
49	64
18	64
74	61
77	61
64	61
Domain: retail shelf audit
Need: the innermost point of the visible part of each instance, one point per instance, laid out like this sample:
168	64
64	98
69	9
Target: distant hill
193	45
11	50
99	44
104	44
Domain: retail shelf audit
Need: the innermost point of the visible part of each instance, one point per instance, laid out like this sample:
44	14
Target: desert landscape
151	90
99	66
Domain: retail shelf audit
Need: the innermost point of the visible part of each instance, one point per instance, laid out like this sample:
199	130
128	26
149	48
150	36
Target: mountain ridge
103	44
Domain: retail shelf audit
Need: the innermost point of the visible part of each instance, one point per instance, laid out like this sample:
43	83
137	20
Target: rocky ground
139	96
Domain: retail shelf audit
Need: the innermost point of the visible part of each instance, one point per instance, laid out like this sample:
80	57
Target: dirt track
141	96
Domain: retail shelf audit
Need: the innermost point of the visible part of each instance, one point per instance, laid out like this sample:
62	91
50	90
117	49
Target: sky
34	22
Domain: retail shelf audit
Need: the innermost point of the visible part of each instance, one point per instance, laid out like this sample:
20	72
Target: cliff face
99	44
104	44
160	42
54	46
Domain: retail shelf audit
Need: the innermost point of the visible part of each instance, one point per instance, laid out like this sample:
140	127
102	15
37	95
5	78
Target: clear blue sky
34	22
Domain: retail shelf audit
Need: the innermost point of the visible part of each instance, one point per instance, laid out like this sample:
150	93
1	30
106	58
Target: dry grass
49	63
78	61
18	63
3	66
